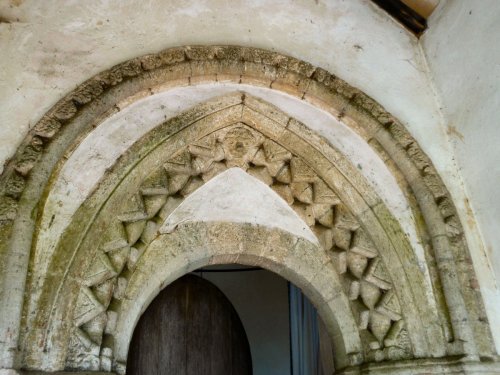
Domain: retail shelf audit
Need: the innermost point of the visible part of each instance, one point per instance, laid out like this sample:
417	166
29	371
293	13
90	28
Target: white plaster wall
50	46
232	197
463	54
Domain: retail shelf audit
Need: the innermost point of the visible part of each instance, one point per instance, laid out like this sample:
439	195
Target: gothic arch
380	268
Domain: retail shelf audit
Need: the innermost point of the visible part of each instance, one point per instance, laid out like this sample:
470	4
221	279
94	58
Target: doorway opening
281	327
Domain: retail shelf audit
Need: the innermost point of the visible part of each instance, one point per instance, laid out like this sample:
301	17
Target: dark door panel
190	328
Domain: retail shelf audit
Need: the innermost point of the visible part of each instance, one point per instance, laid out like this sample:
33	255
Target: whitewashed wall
58	44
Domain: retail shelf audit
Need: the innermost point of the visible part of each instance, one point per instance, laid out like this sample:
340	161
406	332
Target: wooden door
191	328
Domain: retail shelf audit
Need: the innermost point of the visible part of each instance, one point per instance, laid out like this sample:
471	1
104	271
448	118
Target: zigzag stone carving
364	276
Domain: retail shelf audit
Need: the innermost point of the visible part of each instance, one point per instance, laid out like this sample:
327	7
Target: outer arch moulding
28	171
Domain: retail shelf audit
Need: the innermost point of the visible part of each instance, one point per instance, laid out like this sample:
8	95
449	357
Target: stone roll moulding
71	300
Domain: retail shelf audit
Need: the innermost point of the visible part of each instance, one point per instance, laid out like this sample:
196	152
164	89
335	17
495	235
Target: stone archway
399	296
167	172
217	243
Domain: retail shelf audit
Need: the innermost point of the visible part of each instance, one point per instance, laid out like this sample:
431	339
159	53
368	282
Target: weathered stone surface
8	208
255	145
240	145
